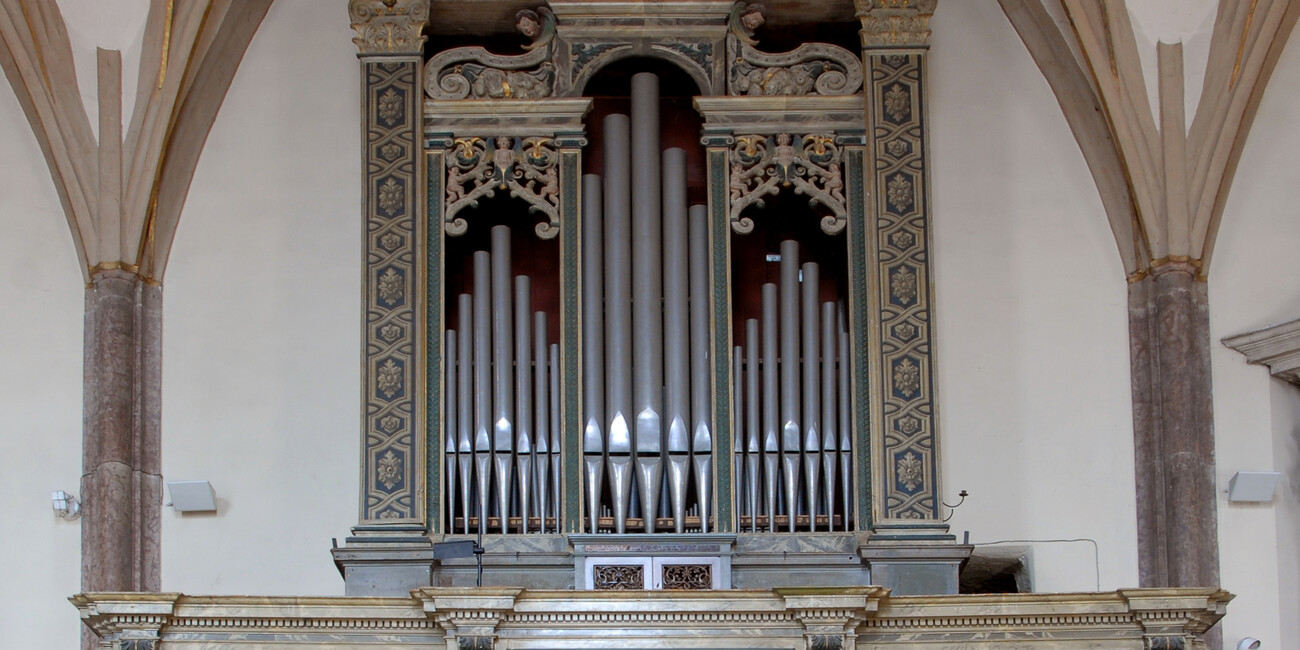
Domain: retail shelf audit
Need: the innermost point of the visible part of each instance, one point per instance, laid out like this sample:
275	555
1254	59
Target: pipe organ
656	301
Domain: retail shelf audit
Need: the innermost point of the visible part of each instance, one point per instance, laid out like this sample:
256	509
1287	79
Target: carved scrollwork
810	69
688	576
618	577
763	165
528	168
473	72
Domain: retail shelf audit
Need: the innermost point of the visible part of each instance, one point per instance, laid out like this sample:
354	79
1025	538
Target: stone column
121	483
910	550
390	553
1173	435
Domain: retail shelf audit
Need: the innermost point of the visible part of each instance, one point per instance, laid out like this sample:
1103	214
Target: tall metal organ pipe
465	401
701	387
618	313
808	289
647	293
676	326
523	396
593	346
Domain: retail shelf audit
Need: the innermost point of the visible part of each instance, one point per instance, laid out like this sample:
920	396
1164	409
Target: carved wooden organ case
674	284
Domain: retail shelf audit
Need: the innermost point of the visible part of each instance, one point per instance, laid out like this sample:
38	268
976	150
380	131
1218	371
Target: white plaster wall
261	341
1031	325
42	291
1254	283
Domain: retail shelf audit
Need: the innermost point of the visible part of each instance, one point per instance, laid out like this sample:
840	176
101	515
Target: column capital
389	26
895	23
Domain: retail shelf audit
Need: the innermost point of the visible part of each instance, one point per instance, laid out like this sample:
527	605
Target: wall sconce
65	505
192	496
1253	487
1248	643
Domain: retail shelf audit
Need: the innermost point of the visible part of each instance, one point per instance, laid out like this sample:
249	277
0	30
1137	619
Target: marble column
910	550
389	552
121	484
1169	342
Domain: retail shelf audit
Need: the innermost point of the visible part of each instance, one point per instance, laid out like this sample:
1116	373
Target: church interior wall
40	378
262	321
1031	315
1254	283
262	331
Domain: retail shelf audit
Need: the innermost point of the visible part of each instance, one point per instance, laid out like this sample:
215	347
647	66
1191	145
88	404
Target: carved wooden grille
688	576
618	577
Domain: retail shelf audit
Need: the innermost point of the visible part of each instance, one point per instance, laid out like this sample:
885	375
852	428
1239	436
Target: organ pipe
618	313
701	387
810	278
482	382
647	383
593	338
523	396
541	420
676	321
465	401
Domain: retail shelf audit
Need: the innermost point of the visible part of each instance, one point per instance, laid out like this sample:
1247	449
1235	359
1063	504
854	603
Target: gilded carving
907	378
902	240
526	168
473	72
810	69
895	23
391	287
391	196
388	378
390	423
899	191
688	576
390	332
902	284
764	165
898	103
909	471
618	577
390	107
389	26
389	469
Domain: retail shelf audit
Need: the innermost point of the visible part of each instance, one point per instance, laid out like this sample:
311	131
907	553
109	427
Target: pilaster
389	552
910	550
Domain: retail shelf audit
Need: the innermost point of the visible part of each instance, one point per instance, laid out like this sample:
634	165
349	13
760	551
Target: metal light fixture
192	496
66	505
1248	643
1253	487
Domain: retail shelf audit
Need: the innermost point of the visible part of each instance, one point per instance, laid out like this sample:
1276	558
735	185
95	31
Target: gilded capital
895	23
389	26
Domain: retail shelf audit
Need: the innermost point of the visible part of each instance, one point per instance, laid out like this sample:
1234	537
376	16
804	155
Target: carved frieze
526	168
763	165
810	69
473	72
389	26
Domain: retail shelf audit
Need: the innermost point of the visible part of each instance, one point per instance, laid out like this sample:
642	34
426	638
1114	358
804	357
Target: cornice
1277	347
